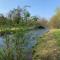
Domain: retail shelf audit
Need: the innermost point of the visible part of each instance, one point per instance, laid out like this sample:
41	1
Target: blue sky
43	8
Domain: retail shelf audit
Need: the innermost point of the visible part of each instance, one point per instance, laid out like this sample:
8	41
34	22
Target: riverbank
48	46
31	39
14	29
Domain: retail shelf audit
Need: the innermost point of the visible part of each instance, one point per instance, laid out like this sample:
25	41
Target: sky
42	8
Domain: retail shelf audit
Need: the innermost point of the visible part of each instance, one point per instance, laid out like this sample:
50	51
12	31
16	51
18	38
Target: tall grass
48	47
13	48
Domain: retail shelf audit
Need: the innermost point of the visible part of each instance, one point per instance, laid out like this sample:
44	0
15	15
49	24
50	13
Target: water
31	37
1	41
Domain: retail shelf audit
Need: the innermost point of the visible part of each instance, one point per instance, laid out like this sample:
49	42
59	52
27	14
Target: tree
2	20
44	22
55	20
35	18
15	15
26	14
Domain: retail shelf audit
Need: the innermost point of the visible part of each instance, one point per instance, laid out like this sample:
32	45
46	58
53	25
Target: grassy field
48	46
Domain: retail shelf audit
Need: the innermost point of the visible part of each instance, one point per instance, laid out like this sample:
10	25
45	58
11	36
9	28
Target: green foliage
13	46
20	17
19	21
55	20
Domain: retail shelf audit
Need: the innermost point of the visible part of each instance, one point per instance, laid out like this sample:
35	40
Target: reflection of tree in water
13	49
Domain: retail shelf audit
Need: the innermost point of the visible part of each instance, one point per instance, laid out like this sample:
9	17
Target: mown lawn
48	46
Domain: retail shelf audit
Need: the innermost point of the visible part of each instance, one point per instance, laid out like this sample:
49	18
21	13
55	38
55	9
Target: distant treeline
22	17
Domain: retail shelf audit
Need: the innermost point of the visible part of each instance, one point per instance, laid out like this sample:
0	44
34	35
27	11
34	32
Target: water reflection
29	39
1	41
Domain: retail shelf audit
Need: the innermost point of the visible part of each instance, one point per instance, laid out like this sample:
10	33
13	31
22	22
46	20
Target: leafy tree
26	14
2	20
35	18
15	15
55	20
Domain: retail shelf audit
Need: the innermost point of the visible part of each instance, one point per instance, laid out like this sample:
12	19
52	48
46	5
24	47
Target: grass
14	29
48	46
56	34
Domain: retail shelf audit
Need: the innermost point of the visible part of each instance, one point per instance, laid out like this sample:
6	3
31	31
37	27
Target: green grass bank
48	46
